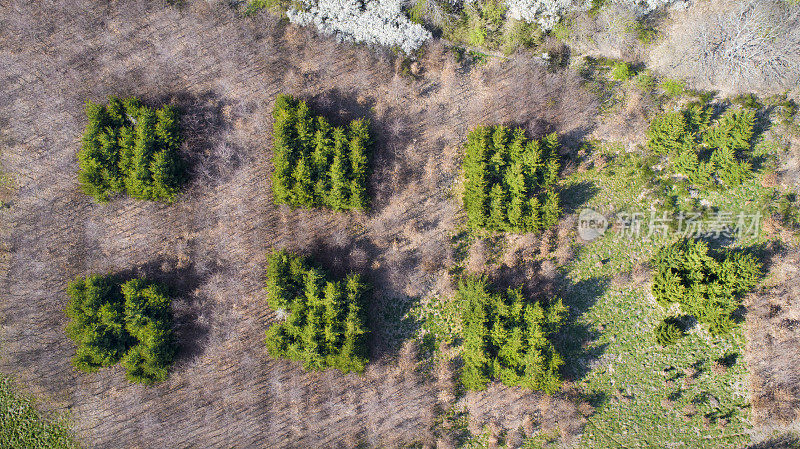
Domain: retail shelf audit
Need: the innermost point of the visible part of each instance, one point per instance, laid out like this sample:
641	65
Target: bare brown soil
773	320
224	72
773	345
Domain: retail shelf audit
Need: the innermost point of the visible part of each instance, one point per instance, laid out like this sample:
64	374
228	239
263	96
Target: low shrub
325	319
131	148
669	331
114	322
645	80
673	88
508	338
509	181
621	71
317	164
707	285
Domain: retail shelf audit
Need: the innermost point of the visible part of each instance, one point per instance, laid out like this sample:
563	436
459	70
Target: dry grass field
224	71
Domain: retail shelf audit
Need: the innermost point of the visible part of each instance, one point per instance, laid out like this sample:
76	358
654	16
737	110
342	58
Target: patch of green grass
690	394
542	440
621	71
654	396
254	6
561	30
662	397
599	82
673	88
440	318
645	32
645	80
23	427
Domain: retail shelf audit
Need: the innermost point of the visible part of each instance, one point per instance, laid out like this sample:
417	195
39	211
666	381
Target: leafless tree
750	46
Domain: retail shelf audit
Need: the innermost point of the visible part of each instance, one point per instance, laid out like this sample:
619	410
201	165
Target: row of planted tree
509	185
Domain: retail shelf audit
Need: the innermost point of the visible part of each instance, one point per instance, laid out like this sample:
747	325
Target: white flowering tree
545	13
377	22
753	45
384	22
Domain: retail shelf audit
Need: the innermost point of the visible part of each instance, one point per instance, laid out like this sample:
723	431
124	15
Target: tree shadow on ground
208	156
575	340
788	441
765	253
574	196
181	283
340	108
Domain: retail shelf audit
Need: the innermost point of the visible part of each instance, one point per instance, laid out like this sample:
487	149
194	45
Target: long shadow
207	156
788	441
574	138
574	196
340	108
575	340
763	252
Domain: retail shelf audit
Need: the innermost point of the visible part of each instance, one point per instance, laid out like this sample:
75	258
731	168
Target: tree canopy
509	181
507	338
705	153
131	148
325	320
113	322
707	285
316	164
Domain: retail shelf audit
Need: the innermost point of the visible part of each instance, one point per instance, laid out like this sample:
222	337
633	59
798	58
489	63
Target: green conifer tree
325	326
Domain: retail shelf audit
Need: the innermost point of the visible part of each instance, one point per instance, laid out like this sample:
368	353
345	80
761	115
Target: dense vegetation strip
325	320
707	285
705	152
509	181
507	338
131	148
128	323
315	163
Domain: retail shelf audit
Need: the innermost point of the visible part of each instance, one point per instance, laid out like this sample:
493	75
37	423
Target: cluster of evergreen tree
510	181
317	164
508	338
707	285
325	326
131	148
129	323
707	152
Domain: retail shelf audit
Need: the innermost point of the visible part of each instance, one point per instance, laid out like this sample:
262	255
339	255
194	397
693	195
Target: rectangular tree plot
508	338
510	181
131	148
316	164
325	320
